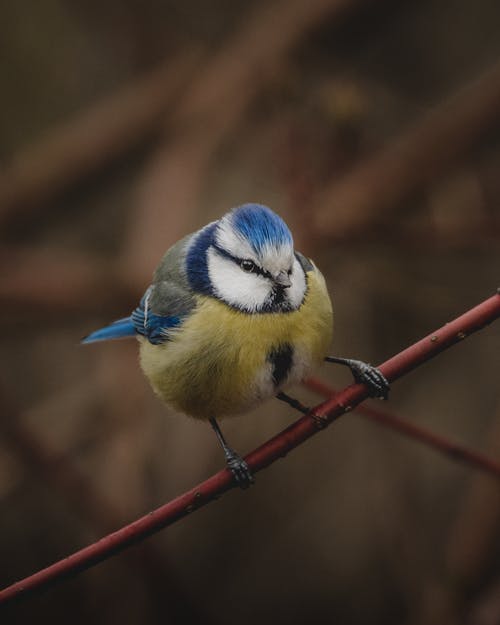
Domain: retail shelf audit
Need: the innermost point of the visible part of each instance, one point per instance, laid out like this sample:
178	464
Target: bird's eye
247	265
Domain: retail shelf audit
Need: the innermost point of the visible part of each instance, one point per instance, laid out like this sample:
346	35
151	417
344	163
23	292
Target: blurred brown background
373	129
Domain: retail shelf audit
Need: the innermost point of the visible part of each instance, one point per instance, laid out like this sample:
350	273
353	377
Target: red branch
451	449
275	448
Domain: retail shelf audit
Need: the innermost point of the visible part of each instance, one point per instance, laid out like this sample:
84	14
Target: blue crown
257	223
261	227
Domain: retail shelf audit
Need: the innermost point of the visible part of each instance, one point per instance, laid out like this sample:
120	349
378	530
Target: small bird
233	316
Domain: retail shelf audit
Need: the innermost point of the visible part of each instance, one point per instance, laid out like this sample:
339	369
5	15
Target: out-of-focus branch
92	139
275	448
209	110
60	473
252	56
451	449
374	188
60	282
53	467
474	532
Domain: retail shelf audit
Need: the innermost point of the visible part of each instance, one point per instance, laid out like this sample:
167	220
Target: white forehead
273	257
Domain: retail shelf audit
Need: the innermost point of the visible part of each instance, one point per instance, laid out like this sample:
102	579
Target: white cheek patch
247	291
297	290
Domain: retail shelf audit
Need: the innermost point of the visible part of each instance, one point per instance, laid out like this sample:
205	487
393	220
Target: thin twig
277	447
453	450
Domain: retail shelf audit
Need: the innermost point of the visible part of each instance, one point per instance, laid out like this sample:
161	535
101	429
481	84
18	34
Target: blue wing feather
153	327
142	321
118	330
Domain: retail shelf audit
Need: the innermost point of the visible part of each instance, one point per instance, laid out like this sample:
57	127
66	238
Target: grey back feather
171	294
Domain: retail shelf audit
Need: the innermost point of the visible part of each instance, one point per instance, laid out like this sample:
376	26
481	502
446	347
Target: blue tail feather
120	329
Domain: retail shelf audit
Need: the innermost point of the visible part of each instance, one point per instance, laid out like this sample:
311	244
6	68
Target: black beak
283	280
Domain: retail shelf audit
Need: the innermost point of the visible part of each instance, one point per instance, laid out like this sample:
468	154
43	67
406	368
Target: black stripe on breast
281	358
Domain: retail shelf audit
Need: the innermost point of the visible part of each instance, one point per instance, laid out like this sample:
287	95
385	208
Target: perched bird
233	316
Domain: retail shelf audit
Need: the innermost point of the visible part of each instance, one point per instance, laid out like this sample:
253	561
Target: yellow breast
218	362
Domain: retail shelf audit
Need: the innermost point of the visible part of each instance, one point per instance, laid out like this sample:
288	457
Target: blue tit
234	315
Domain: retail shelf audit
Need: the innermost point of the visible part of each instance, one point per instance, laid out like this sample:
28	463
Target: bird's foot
240	470
363	373
294	403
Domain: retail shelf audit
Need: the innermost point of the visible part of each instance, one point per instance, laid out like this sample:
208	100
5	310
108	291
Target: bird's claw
363	373
240	470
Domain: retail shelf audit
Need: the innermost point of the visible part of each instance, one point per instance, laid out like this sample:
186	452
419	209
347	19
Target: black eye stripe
222	252
255	269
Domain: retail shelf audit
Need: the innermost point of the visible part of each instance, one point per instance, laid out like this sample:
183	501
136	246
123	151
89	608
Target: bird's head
247	260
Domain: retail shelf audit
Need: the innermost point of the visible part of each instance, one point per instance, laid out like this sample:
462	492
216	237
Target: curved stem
275	448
